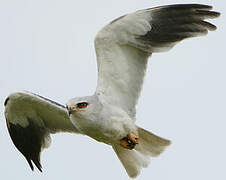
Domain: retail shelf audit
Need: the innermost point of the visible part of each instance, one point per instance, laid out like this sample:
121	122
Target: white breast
111	125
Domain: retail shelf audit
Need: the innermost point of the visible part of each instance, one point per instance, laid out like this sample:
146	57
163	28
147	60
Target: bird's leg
130	141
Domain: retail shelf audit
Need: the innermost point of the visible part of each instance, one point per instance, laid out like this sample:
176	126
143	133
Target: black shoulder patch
7	99
28	141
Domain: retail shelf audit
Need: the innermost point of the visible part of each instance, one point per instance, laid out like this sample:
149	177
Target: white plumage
122	48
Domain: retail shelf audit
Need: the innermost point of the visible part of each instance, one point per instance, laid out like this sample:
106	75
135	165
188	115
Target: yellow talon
130	141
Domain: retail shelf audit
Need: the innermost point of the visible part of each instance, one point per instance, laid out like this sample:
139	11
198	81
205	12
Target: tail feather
150	144
132	160
139	157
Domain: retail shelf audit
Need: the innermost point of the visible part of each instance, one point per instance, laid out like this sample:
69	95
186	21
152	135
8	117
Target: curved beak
70	111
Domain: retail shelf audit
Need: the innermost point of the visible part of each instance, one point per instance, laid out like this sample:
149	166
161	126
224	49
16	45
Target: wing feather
123	47
30	119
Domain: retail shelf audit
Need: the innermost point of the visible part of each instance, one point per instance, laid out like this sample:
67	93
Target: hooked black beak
69	110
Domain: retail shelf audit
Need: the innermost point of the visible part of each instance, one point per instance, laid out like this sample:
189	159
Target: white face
84	112
84	107
77	107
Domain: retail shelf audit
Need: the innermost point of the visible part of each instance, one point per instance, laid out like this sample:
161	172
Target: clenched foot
130	141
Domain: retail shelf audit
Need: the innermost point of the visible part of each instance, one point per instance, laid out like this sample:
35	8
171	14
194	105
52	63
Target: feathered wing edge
29	141
173	23
30	119
124	46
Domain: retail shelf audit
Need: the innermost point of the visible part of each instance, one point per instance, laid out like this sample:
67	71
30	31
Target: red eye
82	105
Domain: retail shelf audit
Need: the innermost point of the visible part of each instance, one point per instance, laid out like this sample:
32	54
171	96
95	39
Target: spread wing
30	120
123	47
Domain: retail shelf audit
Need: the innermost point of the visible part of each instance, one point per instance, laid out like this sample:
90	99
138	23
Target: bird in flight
123	48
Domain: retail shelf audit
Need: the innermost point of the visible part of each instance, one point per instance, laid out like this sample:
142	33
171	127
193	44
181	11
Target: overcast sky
47	48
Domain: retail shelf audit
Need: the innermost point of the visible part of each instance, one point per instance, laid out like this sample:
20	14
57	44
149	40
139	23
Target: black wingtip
36	162
38	165
193	6
216	14
184	6
30	164
174	23
202	6
28	140
206	14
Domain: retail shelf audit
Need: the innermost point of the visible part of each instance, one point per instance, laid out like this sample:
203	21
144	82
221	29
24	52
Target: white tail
134	160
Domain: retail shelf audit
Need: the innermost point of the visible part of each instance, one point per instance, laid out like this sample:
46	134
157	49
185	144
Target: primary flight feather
122	48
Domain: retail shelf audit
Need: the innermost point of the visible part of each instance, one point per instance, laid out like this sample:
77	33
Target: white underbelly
107	131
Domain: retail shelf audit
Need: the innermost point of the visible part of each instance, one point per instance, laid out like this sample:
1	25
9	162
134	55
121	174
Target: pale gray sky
47	48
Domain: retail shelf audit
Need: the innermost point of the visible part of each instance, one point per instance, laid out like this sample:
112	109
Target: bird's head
83	107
